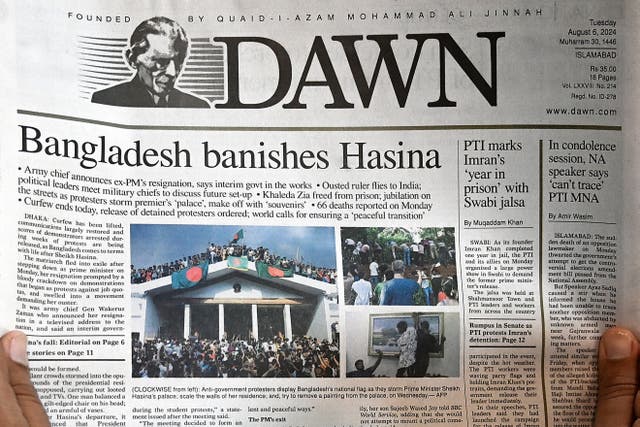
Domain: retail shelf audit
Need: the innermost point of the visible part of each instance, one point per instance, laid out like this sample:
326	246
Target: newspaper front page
332	214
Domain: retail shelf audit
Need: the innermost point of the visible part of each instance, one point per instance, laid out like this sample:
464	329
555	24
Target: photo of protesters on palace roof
248	301
307	257
399	266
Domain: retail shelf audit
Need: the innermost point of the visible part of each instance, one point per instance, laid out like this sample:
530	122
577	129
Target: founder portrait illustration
157	51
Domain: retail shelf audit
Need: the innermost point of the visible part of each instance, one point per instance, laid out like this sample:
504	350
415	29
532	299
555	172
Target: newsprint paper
331	213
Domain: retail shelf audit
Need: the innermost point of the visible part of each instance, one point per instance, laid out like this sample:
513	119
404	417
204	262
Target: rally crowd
420	253
419	273
303	357
216	253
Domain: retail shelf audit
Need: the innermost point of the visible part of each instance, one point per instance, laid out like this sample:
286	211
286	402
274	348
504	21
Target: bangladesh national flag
190	276
266	270
239	235
238	262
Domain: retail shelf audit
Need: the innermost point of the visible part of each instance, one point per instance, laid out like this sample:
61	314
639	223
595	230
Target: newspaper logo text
320	56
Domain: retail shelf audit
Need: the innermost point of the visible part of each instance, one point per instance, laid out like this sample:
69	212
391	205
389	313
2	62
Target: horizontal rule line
76	360
75	336
502	346
316	128
494	228
595	48
581	222
514	319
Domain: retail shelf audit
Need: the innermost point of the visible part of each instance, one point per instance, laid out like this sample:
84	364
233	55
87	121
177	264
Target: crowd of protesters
217	253
421	253
418	273
302	357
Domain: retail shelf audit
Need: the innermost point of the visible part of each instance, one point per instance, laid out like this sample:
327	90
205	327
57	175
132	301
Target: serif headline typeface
353	155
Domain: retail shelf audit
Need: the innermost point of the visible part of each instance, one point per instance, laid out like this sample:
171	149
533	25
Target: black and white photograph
157	51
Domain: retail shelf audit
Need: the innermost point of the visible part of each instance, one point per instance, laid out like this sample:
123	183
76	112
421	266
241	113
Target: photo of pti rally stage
399	266
402	344
233	301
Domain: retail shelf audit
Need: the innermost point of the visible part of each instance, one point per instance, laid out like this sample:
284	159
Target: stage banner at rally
190	276
266	270
238	263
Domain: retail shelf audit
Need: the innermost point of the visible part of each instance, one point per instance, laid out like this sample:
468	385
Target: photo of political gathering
399	266
234	301
402	344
